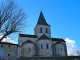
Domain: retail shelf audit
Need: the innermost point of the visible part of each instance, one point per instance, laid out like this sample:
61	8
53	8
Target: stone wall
45	50
28	50
38	33
9	51
50	58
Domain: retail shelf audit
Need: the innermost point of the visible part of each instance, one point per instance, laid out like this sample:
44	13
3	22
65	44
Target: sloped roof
27	35
58	39
28	41
41	20
8	43
58	43
43	37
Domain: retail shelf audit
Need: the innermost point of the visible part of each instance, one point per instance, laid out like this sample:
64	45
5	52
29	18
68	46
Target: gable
28	41
43	37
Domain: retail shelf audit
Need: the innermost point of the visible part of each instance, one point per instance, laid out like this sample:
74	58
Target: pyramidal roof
41	20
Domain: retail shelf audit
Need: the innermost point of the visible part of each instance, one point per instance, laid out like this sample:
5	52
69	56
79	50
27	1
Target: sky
62	15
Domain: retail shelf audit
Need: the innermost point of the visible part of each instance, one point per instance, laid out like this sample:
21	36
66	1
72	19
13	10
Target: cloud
7	39
72	48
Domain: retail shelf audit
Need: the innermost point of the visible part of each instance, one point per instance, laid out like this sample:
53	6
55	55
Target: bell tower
42	27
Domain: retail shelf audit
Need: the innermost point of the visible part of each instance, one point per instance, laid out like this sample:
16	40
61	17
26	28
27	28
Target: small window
9	46
41	46
61	49
47	46
29	49
1	45
8	54
41	30
46	30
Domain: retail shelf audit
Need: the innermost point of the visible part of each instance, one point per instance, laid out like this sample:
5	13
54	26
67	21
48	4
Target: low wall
50	58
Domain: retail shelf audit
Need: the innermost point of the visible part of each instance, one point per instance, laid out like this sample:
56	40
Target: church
41	43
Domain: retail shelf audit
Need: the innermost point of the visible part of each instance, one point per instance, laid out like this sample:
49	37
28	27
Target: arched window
46	30
61	49
47	46
41	46
29	49
41	30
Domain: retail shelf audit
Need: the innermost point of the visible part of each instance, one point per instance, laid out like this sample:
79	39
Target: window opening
41	46
8	54
29	49
61	49
41	30
9	46
47	46
1	45
46	30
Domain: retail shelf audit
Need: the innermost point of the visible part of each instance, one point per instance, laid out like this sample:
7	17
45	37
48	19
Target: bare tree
12	18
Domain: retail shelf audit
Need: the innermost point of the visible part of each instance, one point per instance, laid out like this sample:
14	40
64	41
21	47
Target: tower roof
41	20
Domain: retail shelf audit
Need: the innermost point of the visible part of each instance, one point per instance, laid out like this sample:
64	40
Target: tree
12	18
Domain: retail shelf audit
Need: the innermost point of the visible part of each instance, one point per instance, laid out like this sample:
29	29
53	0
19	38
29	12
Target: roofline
25	35
58	43
43	39
58	38
8	43
27	42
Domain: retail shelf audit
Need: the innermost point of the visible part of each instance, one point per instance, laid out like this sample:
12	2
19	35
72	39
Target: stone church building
41	43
